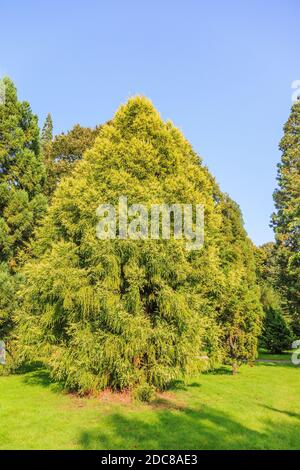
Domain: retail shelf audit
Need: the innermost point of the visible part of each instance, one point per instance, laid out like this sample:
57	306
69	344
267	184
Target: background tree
64	151
47	130
286	219
22	203
240	312
9	285
276	335
22	175
267	268
46	147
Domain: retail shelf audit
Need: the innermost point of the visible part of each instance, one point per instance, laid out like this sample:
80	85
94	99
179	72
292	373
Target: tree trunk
234	368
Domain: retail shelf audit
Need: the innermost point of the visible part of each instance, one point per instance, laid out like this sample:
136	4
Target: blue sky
221	70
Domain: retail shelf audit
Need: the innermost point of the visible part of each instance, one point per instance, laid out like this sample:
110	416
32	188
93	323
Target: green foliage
276	335
62	152
8	302
21	175
9	285
267	268
286	219
22	203
240	312
47	131
20	160
121	313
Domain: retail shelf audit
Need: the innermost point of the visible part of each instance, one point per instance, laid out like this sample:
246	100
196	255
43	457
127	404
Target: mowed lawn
257	409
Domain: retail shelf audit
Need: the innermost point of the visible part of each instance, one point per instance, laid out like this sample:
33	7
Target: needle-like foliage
118	312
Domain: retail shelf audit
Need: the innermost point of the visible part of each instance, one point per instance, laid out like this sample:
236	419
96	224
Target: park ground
257	409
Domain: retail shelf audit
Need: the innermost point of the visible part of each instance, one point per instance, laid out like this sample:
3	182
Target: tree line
134	313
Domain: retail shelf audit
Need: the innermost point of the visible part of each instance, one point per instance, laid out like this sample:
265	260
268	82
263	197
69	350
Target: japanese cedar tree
122	313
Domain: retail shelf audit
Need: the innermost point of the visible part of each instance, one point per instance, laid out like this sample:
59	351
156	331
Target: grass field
257	409
286	356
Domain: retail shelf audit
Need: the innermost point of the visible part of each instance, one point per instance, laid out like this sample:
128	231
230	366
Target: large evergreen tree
286	220
22	175
122	312
22	203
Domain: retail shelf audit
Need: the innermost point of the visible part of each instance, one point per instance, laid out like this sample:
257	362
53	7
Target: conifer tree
286	219
276	334
22	202
46	147
240	312
121	312
47	131
22	174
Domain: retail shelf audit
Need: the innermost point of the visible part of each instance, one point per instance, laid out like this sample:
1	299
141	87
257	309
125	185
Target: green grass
286	356
257	409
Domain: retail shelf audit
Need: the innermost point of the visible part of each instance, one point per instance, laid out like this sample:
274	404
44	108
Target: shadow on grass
167	424
177	385
187	428
180	385
203	428
291	414
41	377
222	370
194	385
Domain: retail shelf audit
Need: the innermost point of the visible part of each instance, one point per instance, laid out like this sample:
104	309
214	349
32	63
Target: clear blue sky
221	70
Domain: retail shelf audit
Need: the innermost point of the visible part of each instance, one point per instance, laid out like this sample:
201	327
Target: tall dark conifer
22	203
286	219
